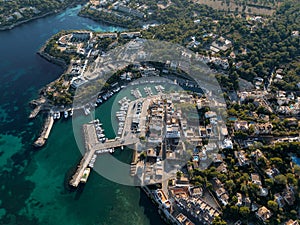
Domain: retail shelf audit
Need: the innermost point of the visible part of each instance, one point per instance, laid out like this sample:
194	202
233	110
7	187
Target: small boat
85	175
87	111
102	140
71	112
66	114
58	115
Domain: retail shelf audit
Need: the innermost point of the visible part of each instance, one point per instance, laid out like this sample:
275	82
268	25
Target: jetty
38	106
45	132
34	112
93	146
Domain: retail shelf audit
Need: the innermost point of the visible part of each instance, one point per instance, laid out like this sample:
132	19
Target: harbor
93	147
131	117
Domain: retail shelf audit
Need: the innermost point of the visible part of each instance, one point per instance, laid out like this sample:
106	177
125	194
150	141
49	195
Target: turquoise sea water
33	182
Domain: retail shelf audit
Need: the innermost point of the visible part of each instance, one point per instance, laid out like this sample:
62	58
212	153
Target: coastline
100	20
9	27
50	58
12	26
40	105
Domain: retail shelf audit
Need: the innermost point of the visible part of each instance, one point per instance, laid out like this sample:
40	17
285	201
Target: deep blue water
32	182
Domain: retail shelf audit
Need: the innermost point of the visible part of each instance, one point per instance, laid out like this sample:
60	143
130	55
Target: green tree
280	179
218	221
244	211
273	205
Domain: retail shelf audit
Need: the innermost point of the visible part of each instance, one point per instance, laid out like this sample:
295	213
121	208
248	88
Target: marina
94	147
134	112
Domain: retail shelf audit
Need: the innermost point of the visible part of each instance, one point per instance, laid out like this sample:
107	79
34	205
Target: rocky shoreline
9	27
41	104
102	20
51	58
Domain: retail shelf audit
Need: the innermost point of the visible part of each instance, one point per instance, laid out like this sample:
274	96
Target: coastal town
214	168
150	112
199	165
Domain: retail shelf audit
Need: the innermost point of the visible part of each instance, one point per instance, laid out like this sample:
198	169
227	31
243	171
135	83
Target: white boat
85	175
66	114
121	118
71	112
87	111
58	115
102	140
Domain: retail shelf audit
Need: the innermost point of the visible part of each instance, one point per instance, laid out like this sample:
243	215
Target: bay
33	182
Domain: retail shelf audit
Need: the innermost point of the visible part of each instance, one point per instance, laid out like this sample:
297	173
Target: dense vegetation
269	44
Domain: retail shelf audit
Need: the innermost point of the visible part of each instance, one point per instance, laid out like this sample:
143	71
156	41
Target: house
289	196
182	219
247	202
217	158
257	154
280	201
130	34
227	144
254	207
222	168
107	35
217	182
81	36
224	199
263	213
78	81
241	157
263	191
241	125
220	192
255	179
240	199
272	172
182	181
196	191
263	128
210	114
221	44
295	33
291	222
